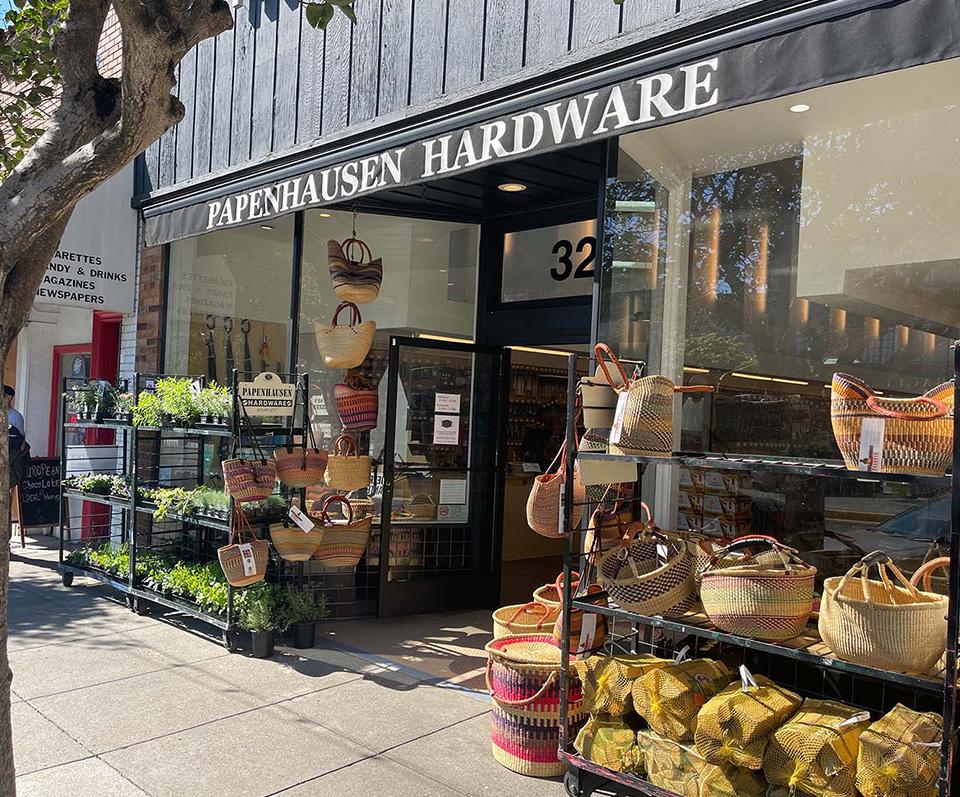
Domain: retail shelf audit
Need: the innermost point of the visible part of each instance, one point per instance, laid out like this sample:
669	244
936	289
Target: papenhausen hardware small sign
267	394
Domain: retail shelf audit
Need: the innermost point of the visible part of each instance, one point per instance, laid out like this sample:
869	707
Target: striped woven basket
523	618
759	599
300	467
356	276
886	435
293	544
358	403
523	678
343	544
249	479
550	595
345	345
244	557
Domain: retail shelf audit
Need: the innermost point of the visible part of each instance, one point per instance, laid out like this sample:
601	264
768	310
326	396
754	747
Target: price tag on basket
617	428
246	556
301	519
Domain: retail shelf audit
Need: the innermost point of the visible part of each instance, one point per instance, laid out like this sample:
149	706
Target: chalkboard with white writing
40	493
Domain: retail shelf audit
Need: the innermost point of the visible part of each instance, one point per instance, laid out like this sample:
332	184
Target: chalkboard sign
40	493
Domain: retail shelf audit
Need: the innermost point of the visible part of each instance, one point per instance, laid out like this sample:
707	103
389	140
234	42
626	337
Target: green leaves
320	12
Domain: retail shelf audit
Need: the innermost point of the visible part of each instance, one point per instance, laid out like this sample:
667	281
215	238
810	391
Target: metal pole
565	515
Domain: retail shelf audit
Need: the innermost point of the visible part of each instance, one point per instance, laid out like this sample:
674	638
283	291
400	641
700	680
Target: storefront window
229	301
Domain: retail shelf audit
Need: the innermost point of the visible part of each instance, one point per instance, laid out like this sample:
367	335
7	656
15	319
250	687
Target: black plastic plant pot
304	635
261	644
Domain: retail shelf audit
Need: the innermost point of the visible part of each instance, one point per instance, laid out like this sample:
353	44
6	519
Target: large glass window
228	305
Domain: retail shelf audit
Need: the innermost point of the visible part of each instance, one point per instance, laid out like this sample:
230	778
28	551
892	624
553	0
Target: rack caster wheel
66	579
230	641
571	783
141	607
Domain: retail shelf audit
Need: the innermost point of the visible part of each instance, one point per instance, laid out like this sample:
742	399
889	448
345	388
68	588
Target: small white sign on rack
267	394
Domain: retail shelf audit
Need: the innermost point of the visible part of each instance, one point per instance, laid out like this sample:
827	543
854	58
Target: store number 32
574	260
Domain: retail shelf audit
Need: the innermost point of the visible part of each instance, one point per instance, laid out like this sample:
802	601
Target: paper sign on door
446	430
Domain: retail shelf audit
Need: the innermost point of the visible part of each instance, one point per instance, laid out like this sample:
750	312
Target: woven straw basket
523	678
598	395
912	435
543	502
244	558
355	275
642	580
524	618
293	544
300	467
923	578
551	595
346	469
759	600
345	346
343	544
249	479
899	755
588	630
358	403
598	476
880	623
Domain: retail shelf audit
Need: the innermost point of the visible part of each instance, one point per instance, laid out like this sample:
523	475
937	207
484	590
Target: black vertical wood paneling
548	30
636	15
464	56
151	167
428	52
395	26
243	61
186	90
336	75
168	146
222	101
288	62
203	107
365	61
503	42
594	21
265	61
310	92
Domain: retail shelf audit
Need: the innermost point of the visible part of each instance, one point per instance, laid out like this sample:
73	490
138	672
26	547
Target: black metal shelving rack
140	597
583	776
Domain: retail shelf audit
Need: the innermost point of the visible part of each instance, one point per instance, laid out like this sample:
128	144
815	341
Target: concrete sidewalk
110	704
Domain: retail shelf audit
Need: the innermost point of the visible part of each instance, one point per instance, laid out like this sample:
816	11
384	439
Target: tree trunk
8	784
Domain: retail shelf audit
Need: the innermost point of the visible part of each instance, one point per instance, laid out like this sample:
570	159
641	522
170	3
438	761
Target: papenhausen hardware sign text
267	394
584	117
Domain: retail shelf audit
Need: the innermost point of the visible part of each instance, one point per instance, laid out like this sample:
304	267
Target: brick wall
149	313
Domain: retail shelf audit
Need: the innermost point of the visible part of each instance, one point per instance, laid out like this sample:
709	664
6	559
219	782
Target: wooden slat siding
595	21
265	62
243	61
168	146
636	15
548	30
287	80
203	104
186	91
309	96
222	100
365	62
396	31
503	41
464	56
336	75
428	51
151	167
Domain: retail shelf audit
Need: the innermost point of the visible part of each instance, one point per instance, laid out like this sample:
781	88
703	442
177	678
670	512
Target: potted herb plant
123	407
178	401
302	611
147	411
261	617
215	404
84	399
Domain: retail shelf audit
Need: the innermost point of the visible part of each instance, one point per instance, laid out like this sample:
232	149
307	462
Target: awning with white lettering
657	92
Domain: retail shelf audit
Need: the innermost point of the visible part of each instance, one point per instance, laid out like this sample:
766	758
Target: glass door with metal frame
440	482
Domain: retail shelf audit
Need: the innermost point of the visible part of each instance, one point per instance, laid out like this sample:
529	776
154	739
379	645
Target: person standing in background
14	418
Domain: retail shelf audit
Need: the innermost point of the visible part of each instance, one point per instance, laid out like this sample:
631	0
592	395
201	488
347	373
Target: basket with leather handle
923	578
347	470
551	595
588	630
894	626
343	544
890	435
599	396
421	506
355	274
292	543
524	618
358	402
300	466
606	528
649	572
345	345
248	479
546	494
243	558
646	425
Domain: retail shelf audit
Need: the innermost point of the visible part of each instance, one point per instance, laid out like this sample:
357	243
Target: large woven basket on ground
649	573
347	470
343	544
551	595
759	599
524	618
345	345
900	755
888	435
523	678
883	624
355	274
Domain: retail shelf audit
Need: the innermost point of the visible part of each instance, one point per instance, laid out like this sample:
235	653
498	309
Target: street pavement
112	704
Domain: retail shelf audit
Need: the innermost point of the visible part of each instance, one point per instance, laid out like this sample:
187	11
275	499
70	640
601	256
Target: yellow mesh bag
607	680
816	751
669	698
900	755
608	741
734	727
682	770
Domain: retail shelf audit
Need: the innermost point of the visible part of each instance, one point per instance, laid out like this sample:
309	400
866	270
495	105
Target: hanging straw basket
887	435
300	467
759	600
249	479
524	618
346	469
343	544
544	500
355	275
523	678
244	558
345	346
358	403
880	623
293	544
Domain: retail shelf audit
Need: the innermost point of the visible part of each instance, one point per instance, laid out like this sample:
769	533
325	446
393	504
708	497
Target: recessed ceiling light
266	226
800	107
325	215
512	188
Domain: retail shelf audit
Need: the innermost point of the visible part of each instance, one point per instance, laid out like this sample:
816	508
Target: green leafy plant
319	13
98	484
123	403
302	606
147	411
84	398
263	608
215	401
178	399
